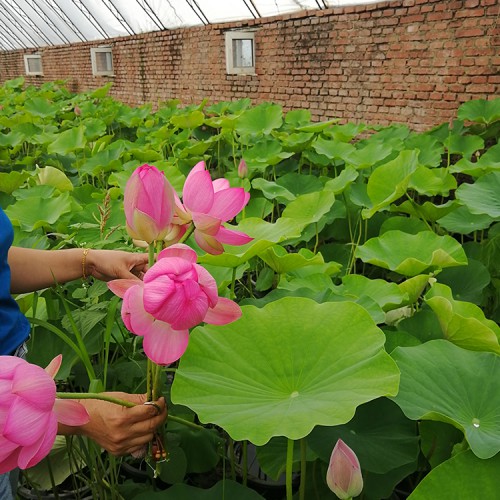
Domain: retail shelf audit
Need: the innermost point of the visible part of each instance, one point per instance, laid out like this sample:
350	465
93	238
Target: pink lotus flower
29	412
176	294
148	204
208	205
344	472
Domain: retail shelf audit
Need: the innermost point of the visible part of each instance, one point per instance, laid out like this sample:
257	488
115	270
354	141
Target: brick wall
411	61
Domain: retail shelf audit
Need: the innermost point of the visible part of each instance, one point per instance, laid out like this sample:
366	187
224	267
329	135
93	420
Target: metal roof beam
118	15
151	13
51	4
254	12
90	18
27	19
5	43
17	29
196	9
47	20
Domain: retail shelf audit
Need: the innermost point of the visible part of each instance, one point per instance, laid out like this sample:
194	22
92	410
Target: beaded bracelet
84	263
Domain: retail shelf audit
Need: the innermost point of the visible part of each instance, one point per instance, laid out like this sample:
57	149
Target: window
102	61
33	64
240	53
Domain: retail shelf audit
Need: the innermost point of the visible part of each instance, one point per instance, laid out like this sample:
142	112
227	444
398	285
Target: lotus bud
242	169
344	472
148	204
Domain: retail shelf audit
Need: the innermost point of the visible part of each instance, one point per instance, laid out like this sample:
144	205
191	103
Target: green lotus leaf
488	162
482	197
437	440
282	369
341	181
345	132
462	476
380	434
9	182
428	211
430	149
300	183
317	126
40	106
387	295
465	145
298	117
310	207
54	177
443	382
272	458
390	181
412	254
57	466
413	287
480	111
280	261
265	152
189	120
34	212
411	225
463	323
369	155
462	221
260	120
467	282
332	149
12	139
272	190
181	491
94	128
432	181
132	116
264	234
68	141
295	142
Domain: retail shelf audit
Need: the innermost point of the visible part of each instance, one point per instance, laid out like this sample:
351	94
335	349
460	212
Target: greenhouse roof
38	23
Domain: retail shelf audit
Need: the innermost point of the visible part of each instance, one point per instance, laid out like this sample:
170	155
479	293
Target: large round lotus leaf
462	221
260	120
389	182
223	489
380	434
482	197
440	381
432	181
285	368
462	476
412	254
280	261
480	110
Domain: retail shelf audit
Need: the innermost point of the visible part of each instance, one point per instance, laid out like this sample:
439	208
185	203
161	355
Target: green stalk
187	423
94	395
188	233
245	462
303	465
289	466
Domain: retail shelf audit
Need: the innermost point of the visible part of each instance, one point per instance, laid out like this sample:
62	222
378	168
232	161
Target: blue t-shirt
14	327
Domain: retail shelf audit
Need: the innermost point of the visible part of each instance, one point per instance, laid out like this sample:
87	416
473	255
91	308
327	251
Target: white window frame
97	50
231	68
27	58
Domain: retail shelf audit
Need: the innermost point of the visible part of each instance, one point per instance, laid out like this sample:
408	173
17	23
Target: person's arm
33	269
117	429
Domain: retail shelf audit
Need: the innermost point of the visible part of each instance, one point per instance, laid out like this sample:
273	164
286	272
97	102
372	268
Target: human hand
121	430
106	265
